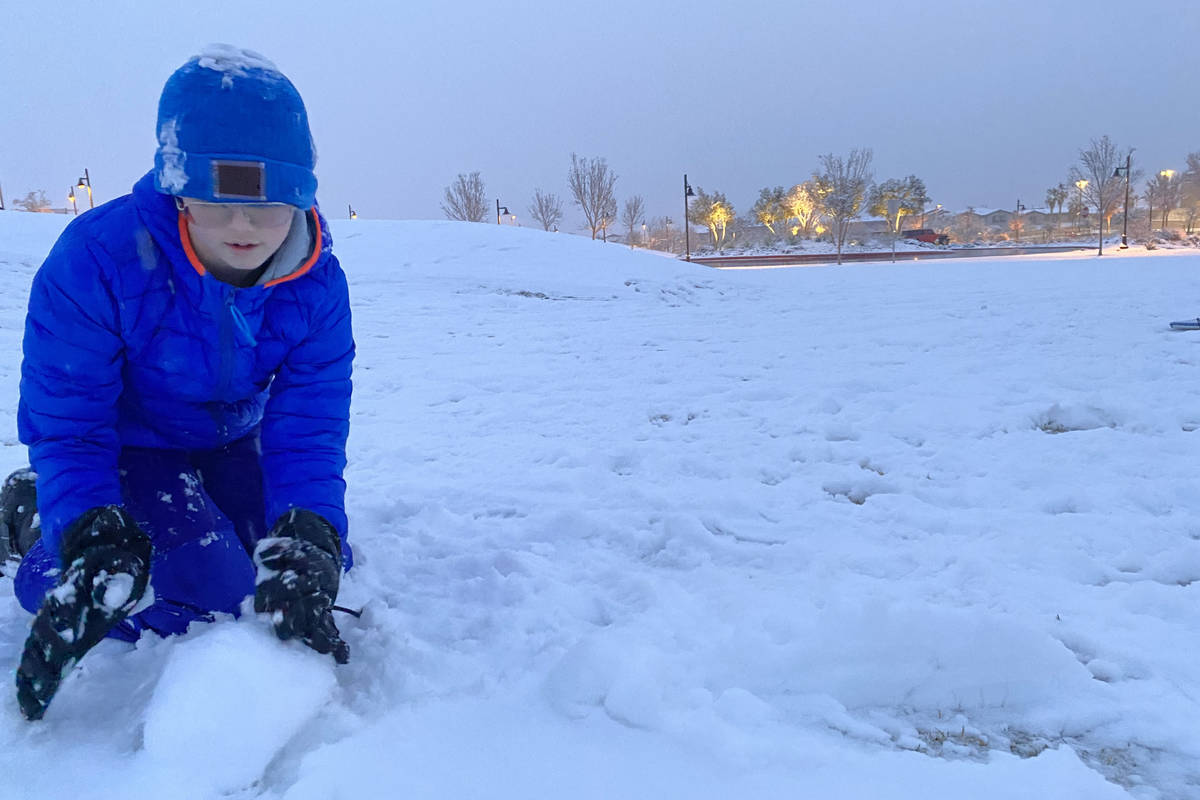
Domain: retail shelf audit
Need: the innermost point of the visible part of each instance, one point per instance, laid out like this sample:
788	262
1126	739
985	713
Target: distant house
867	227
999	219
1038	217
994	217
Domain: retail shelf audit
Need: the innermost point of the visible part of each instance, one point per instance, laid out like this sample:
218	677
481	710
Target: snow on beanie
232	128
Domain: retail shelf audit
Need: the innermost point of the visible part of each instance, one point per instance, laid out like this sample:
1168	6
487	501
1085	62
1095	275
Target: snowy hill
629	527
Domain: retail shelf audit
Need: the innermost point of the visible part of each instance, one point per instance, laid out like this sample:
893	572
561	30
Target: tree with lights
909	194
714	212
771	208
803	205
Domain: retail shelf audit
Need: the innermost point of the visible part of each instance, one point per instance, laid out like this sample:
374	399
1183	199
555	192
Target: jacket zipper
243	327
225	376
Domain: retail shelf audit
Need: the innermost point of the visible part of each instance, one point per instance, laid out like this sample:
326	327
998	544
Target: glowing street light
353	213
71	200
500	210
86	183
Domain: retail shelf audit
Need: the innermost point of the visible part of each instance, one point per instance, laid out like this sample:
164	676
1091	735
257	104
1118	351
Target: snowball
229	698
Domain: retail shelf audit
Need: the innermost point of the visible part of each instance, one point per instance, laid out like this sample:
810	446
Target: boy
185	384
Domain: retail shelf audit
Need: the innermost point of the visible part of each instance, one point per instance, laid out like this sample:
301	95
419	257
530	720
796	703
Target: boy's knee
211	573
37	574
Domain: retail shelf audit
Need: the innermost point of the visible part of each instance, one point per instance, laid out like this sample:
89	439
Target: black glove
19	525
299	569
106	568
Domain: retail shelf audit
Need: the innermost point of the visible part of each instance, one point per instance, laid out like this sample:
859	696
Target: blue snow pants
203	511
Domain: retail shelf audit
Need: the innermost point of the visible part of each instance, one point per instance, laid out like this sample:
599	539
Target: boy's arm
70	385
307	418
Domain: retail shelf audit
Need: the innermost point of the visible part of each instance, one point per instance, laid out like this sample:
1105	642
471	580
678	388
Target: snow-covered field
629	527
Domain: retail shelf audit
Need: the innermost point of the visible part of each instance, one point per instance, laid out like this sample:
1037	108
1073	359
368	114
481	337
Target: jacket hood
307	245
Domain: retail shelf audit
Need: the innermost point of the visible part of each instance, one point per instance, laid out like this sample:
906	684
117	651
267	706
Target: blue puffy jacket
129	342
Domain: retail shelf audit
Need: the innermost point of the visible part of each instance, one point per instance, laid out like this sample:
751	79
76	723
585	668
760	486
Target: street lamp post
352	212
86	183
71	199
687	229
1125	222
1017	220
500	210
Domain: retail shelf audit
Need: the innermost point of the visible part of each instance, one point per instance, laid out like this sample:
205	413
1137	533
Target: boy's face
236	235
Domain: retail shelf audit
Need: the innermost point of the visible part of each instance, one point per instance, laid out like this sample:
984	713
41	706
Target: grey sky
988	102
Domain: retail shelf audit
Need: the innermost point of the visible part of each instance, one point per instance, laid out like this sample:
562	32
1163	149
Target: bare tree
633	214
1150	193
1097	165
608	216
546	209
592	183
1170	185
1189	191
663	233
842	188
34	201
1162	191
465	199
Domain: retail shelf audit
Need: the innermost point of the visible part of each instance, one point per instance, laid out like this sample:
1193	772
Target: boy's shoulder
109	229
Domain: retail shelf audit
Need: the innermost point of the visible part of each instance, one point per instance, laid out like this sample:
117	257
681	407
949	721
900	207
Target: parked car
926	235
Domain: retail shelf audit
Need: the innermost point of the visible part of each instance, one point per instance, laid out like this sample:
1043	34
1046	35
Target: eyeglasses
218	215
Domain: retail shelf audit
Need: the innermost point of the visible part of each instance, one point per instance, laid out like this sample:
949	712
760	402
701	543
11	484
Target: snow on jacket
128	342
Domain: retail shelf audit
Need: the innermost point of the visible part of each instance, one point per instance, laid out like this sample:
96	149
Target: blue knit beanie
232	128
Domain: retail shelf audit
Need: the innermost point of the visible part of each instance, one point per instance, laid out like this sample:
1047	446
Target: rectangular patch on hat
239	180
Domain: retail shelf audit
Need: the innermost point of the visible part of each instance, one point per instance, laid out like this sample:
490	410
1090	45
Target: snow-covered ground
630	527
882	243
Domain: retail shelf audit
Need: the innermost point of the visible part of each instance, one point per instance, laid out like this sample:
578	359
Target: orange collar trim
186	239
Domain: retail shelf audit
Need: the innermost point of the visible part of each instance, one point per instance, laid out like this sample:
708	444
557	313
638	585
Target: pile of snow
626	526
